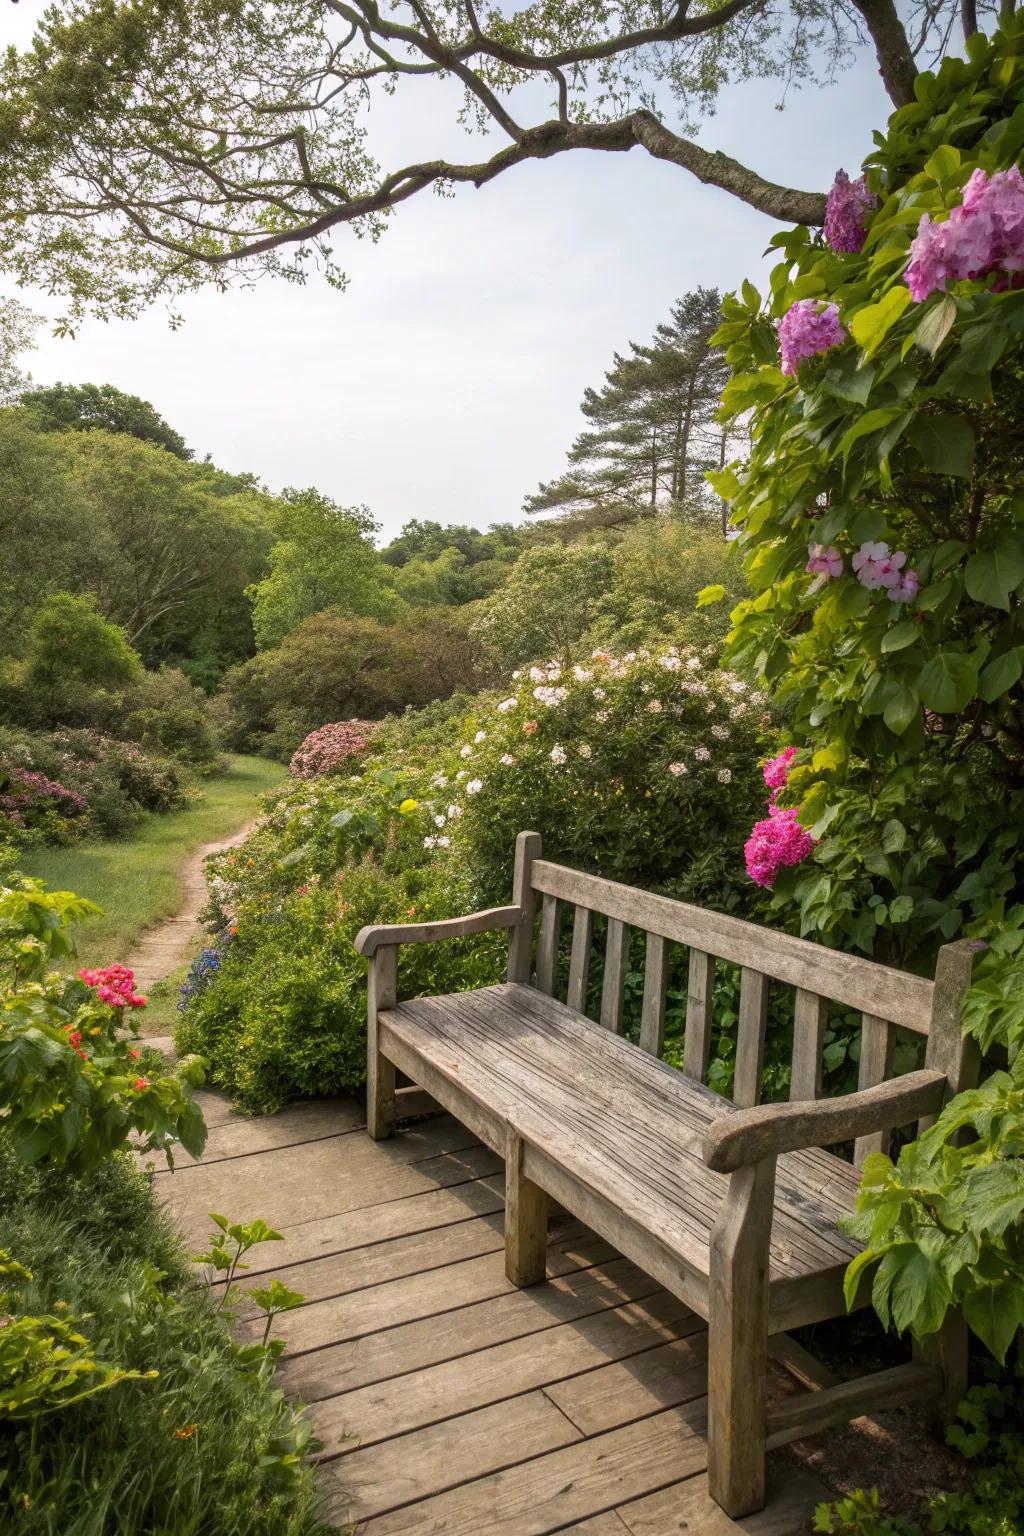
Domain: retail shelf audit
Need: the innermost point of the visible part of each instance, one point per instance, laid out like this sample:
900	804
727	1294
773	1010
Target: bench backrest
886	999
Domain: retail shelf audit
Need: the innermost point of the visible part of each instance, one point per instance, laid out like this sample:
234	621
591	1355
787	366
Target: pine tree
653	429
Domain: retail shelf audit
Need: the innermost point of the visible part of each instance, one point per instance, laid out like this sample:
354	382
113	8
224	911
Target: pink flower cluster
985	234
115	985
875	567
845	210
779	839
807	328
26	790
329	748
824	562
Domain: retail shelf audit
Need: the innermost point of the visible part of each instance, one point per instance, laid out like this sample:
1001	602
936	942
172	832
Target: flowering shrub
32	802
331	747
779	840
882	520
200	973
806	329
73	1087
846	209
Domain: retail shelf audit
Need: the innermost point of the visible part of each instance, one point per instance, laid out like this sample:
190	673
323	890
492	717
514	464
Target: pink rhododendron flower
807	328
114	985
824	561
906	589
845	211
875	567
985	234
776	769
776	842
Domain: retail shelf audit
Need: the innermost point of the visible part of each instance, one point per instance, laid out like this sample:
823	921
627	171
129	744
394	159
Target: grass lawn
136	882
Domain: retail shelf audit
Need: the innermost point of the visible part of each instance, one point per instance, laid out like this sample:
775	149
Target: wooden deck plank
317	1179
354	1363
607	1524
409	1468
659	1378
421	1295
459	1386
687	1509
241	1135
455	1200
544	1495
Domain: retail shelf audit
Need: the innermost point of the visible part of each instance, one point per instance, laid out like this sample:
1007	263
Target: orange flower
185	1432
530	728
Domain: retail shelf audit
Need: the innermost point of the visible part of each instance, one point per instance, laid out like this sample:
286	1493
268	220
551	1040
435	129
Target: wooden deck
449	1403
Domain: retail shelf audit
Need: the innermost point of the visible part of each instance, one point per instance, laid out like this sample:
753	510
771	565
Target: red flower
75	1037
134	1055
141	1084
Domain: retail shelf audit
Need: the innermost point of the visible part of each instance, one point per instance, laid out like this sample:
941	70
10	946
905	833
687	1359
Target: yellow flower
407	807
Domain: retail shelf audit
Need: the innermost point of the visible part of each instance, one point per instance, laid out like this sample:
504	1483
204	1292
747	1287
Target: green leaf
900	908
936	325
995	1314
870	325
948	682
945	443
999	676
871	421
992	574
899	636
751	297
725	481
848	381
708	595
903	708
943	164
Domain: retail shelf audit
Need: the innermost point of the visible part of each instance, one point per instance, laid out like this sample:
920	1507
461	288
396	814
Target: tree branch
892	49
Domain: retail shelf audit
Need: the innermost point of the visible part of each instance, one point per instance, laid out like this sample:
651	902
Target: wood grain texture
810	1014
527	1209
809	1413
369	940
750	1033
652	1011
613	986
744	1138
877	1038
382	993
520	942
699	1015
579	960
861	984
547	945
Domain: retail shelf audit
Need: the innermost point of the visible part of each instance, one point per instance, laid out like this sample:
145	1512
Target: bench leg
382	993
526	1220
738	1341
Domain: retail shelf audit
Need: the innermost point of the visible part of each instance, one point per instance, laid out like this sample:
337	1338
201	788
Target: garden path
447	1402
163	948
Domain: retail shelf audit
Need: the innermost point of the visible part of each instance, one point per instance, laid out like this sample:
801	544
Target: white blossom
430	842
676	769
480	736
439	821
693	663
465	751
670	663
460	775
702	754
506	705
724	776
454	811
507	759
737	711
738	685
603	715
444	842
439	781
550	696
599	693
721	731
517	674
474	786
557	755
582	674
537	674
655	707
584	749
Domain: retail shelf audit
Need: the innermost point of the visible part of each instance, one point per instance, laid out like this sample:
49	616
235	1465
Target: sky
445	381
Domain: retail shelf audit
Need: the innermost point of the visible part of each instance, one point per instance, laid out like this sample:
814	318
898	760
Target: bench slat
613	987
860	984
579	960
809	1019
876	1043
700	989
750	1032
547	947
652	1013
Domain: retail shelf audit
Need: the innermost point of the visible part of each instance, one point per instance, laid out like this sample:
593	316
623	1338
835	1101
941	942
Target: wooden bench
731	1206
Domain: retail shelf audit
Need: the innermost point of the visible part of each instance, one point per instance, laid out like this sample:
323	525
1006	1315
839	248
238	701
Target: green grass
136	882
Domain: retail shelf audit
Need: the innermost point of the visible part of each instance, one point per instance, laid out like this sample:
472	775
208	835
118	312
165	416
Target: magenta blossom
984	235
846	207
776	769
776	842
906	589
824	562
875	567
807	328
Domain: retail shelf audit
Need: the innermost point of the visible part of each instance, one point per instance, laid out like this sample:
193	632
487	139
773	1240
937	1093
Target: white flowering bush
643	767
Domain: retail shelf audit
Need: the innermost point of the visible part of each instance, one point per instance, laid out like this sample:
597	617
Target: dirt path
165	947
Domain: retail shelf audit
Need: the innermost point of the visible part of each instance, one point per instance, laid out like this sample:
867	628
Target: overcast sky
445	383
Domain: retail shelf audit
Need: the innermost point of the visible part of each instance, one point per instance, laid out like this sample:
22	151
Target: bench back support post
520	949
738	1340
382	993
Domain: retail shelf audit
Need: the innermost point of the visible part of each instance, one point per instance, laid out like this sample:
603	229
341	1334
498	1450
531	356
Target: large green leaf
992	574
945	442
936	325
870	325
999	676
995	1314
948	682
902	707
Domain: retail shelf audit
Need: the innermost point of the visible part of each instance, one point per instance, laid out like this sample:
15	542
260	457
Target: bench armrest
369	940
736	1140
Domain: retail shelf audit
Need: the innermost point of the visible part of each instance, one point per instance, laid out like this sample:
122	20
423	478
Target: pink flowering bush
330	749
73	1085
806	329
846	212
779	841
984	235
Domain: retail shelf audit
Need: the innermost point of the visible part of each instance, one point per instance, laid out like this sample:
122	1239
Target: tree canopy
149	146
83	407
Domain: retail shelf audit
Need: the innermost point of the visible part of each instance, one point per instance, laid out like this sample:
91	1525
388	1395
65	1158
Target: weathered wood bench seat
733	1207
